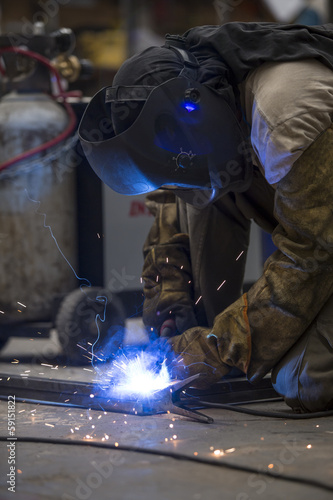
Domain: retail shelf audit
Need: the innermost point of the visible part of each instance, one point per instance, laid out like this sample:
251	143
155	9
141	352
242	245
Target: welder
223	126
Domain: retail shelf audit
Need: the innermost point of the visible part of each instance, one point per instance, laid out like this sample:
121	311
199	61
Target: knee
302	388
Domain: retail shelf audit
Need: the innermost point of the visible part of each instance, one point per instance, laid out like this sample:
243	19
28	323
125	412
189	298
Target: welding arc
260	413
176	456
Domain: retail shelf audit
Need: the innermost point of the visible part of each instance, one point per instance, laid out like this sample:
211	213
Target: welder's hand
168	287
196	351
213	352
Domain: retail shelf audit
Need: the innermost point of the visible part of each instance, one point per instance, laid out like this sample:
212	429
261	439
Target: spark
15	361
221	284
309	446
49	425
240	255
218	453
141	375
116	444
88	369
174	436
171	426
2	312
198	299
231	450
271	466
92	395
44	364
20	304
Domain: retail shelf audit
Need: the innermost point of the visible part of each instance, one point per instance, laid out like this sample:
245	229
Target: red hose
71	115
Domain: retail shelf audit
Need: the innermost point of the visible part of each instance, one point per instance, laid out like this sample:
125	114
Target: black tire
77	330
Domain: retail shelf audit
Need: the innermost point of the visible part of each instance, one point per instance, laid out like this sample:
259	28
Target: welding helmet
185	136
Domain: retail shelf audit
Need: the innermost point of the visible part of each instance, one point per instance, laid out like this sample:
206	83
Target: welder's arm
167	270
258	329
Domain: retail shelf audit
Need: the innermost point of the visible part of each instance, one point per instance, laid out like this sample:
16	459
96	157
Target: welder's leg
304	376
219	238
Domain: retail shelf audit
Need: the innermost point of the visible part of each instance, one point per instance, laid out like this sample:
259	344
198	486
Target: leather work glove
168	287
213	352
167	272
196	351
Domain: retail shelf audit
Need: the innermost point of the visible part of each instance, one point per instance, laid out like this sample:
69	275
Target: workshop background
61	230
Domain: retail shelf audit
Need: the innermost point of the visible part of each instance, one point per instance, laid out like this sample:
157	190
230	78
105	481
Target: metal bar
65	393
89	395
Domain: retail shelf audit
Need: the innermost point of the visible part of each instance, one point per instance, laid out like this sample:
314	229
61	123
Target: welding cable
260	413
177	456
62	94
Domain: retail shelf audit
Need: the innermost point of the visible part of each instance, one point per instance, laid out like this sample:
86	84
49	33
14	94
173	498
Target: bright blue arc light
190	106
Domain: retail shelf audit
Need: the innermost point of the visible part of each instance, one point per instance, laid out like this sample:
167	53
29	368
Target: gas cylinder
38	242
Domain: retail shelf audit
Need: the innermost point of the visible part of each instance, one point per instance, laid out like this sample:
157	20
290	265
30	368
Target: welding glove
167	270
212	352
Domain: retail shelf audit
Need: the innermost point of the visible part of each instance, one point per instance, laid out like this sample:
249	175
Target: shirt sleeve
288	106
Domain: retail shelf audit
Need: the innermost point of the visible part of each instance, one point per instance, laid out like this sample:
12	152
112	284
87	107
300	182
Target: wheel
90	325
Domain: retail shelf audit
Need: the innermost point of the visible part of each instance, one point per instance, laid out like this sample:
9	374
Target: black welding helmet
185	136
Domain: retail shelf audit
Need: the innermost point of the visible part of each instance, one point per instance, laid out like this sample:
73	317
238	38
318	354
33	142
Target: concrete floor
299	448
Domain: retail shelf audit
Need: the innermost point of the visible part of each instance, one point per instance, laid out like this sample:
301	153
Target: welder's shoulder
288	106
